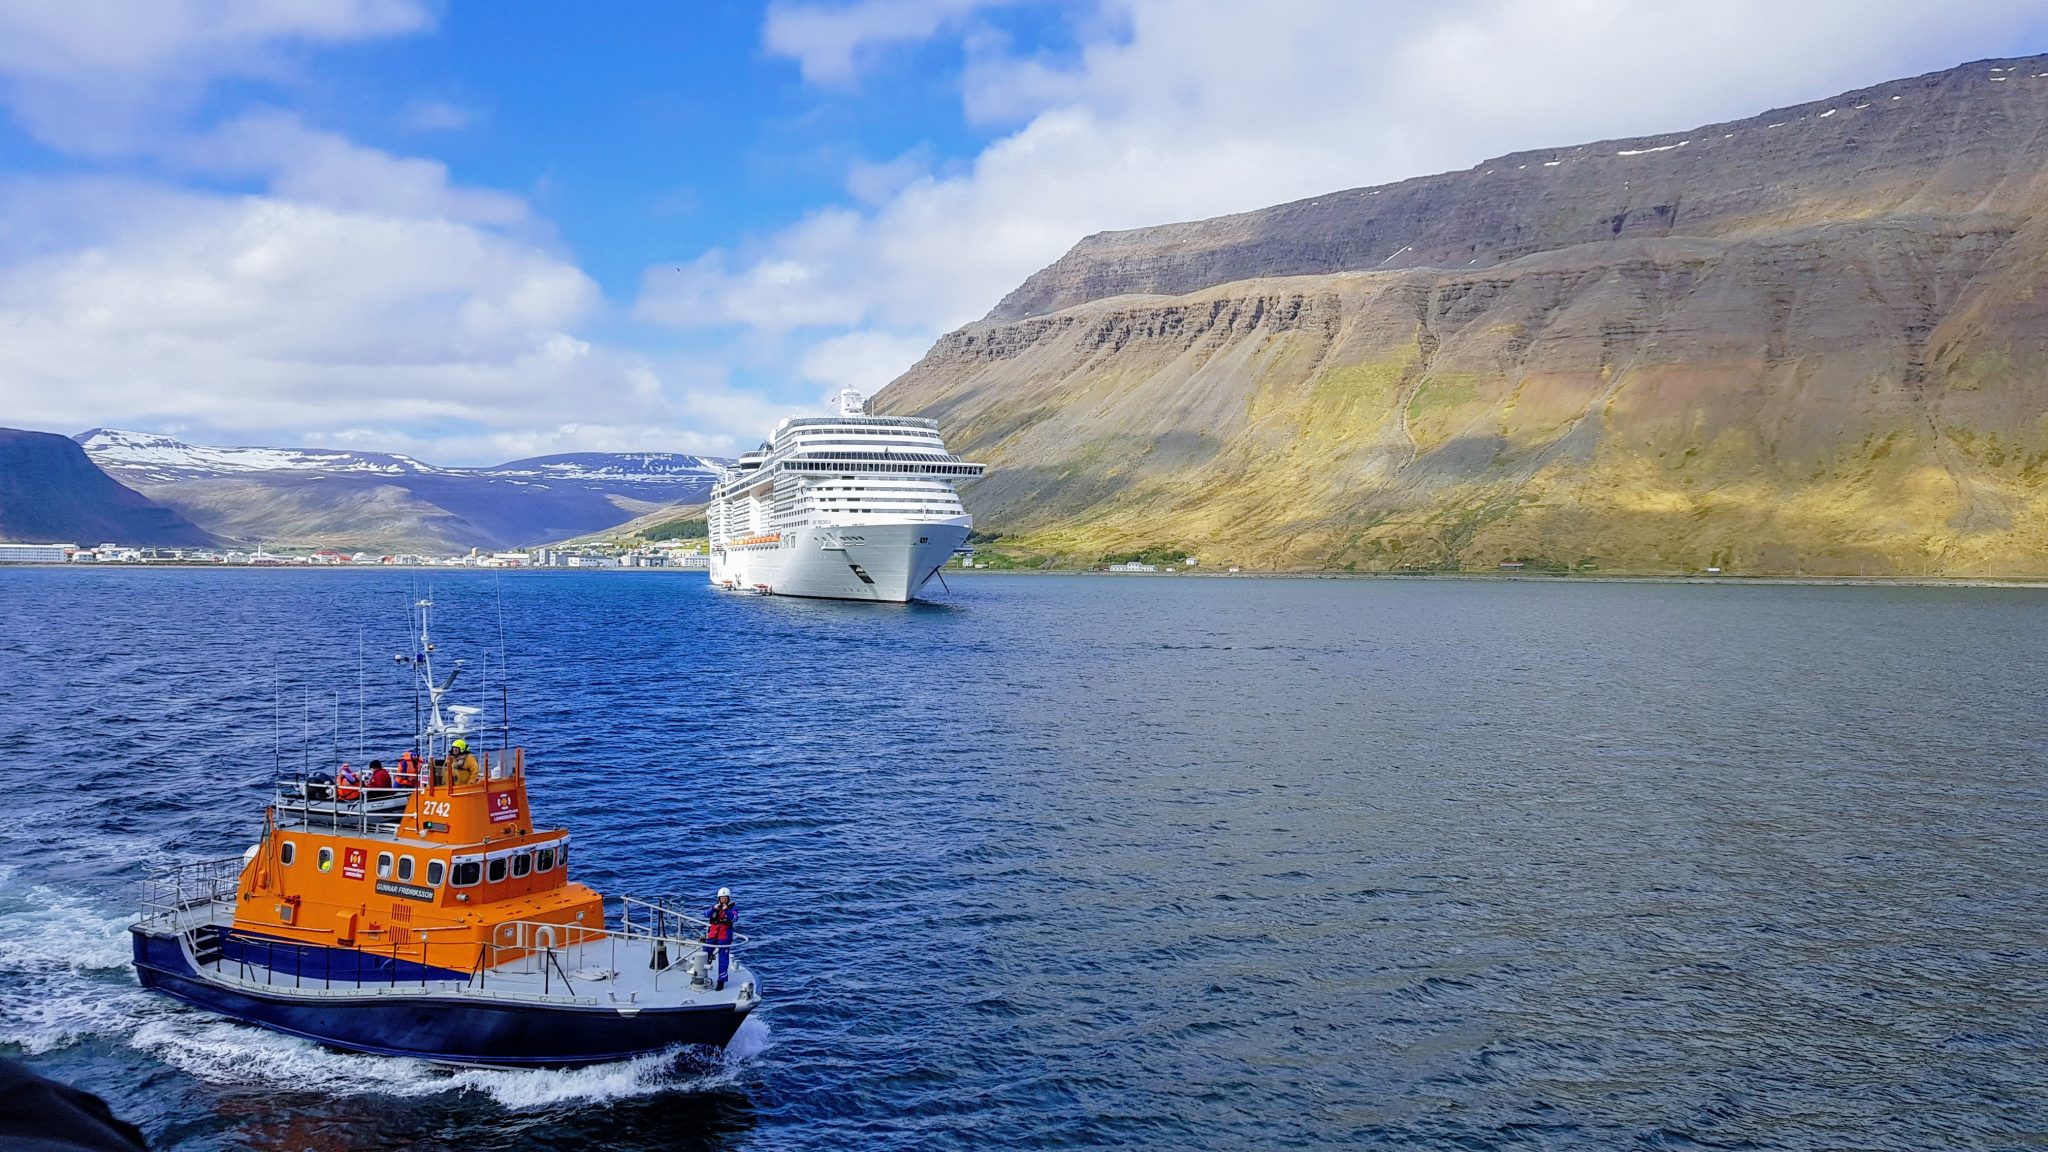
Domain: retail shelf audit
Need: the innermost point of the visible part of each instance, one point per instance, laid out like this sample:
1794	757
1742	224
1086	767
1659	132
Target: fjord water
1154	862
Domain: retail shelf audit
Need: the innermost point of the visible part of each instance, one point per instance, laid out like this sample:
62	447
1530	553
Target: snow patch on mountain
152	456
168	458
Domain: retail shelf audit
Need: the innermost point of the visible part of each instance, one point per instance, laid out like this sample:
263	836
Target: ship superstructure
848	506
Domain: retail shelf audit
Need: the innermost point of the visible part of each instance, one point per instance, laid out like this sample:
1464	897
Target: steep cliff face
1965	141
1807	342
51	493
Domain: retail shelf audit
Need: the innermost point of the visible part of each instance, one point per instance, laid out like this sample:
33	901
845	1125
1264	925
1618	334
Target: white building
36	553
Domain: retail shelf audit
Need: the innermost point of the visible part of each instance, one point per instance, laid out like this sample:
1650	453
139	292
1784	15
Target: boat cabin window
544	860
325	860
287	852
404	868
522	864
383	865
467	872
497	869
435	870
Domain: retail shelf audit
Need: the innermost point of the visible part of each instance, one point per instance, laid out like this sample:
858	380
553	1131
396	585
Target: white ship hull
888	562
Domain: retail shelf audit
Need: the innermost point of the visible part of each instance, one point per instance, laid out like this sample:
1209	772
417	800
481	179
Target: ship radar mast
437	731
852	403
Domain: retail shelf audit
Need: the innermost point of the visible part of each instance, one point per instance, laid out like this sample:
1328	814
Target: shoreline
1544	578
977	573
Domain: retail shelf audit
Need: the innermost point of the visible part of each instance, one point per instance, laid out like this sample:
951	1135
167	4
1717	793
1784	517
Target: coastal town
605	554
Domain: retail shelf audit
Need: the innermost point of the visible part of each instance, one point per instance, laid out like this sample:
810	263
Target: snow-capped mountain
654	467
163	458
342	498
167	458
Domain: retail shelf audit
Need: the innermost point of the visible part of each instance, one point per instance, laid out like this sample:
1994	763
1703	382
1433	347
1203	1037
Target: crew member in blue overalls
720	921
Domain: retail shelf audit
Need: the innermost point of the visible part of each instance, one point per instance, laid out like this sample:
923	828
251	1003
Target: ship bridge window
467	873
325	861
405	869
435	870
497	869
544	860
522	864
383	865
287	853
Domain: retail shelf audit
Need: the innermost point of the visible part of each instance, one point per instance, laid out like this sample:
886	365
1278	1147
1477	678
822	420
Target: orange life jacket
407	773
346	785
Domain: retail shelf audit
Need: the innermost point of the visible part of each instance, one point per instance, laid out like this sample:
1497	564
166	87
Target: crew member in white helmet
720	921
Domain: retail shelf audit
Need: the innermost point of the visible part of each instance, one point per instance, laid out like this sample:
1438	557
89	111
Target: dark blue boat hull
443	1029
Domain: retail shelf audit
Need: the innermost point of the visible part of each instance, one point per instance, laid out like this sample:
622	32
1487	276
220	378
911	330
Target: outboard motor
320	786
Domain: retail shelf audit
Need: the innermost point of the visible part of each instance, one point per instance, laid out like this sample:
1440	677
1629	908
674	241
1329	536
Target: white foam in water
57	954
66	975
223	1052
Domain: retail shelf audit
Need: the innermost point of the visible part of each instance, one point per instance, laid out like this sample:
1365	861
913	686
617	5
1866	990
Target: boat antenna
276	726
362	746
504	681
483	688
412	585
433	728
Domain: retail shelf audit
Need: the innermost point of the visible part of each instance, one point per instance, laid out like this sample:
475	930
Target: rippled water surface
1153	862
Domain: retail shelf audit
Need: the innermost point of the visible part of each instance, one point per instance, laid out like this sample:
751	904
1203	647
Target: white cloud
100	76
303	163
769	292
266	312
263	320
830	43
1183	110
434	116
362	297
865	360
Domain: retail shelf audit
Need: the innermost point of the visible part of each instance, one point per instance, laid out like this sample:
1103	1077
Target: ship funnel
852	403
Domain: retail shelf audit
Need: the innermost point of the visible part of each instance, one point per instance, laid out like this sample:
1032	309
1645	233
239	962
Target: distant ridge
354	500
1947	143
50	492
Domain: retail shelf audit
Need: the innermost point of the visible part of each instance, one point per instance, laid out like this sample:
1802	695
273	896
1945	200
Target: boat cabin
443	877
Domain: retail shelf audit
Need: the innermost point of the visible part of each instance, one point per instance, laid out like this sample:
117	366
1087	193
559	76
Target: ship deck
618	968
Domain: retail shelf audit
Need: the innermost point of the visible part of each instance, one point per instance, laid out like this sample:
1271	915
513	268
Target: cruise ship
845	507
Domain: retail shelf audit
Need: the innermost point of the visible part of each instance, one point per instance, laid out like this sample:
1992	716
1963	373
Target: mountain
50	492
306	497
1812	340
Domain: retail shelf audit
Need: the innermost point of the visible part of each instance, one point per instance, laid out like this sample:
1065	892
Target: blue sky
476	231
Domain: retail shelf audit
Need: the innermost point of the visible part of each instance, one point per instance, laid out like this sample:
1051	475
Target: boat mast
435	734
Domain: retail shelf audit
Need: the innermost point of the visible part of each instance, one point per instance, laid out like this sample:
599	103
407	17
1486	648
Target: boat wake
65	971
66	976
224	1052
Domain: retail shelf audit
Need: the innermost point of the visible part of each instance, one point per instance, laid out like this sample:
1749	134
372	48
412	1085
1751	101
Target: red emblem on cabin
502	808
352	861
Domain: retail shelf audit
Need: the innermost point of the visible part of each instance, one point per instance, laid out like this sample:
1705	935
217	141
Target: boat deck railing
303	801
667	942
177	893
654	947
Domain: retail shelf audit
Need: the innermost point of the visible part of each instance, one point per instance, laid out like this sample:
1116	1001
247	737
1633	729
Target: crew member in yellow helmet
462	765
